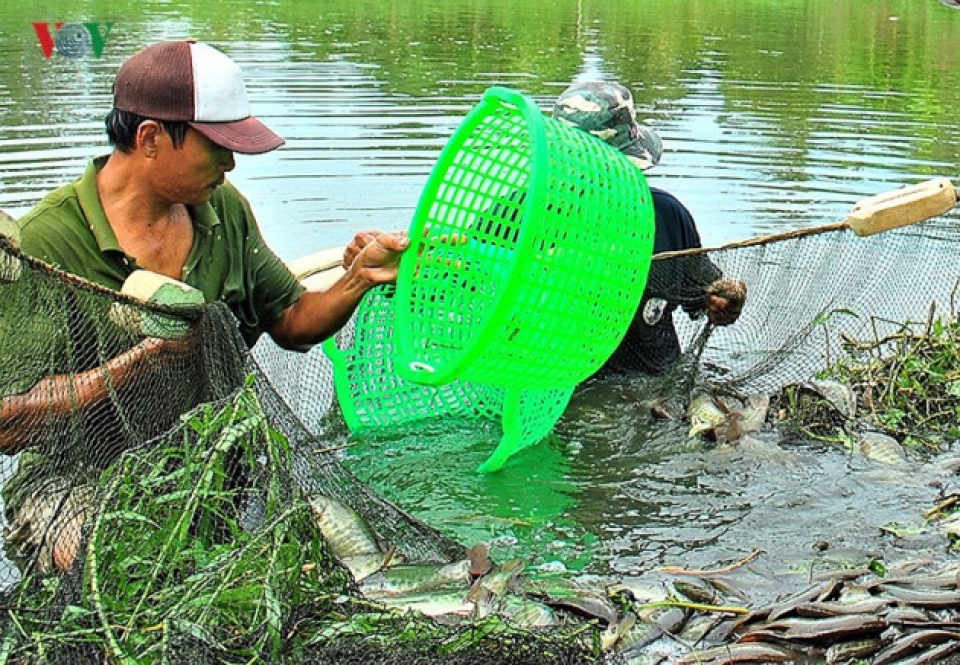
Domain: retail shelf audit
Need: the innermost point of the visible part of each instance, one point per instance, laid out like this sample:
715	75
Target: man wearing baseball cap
605	110
160	204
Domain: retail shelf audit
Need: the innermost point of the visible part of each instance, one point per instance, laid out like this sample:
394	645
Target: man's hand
725	298
360	240
364	238
376	255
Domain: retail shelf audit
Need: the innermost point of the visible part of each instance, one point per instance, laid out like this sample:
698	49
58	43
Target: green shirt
229	260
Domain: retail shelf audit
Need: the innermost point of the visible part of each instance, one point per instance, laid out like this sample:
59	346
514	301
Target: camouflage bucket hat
606	111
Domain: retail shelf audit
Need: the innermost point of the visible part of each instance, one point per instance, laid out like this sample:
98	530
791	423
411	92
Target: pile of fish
825	410
683	617
913	618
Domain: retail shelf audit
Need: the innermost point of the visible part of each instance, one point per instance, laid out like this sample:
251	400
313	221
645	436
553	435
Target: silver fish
820	631
881	448
839	395
362	566
821	609
845	652
586	602
447	603
756	652
497	582
948	578
638	590
748	419
649	627
705	415
697	628
926	598
416	578
727	419
526	613
910	644
698	592
579	595
613	634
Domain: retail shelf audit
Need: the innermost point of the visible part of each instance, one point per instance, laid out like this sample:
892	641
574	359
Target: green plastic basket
529	254
530	249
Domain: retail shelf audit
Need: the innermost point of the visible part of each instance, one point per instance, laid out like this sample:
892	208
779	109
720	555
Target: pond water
775	115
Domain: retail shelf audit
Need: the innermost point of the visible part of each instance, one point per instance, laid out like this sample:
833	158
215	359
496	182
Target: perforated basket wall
530	249
373	396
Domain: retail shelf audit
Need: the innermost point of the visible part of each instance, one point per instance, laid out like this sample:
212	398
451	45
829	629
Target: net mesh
809	294
173	481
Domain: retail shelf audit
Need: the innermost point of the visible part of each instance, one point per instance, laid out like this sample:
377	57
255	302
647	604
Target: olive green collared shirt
229	260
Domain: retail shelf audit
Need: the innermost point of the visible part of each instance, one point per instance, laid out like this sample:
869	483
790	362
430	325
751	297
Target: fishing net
183	479
184	471
812	295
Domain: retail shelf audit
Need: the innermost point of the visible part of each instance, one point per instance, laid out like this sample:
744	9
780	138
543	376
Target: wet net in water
178	476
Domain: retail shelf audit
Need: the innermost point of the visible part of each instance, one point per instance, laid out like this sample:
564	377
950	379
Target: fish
698	627
739	653
881	448
575	595
912	643
416	578
432	604
818	631
946	579
839	395
845	652
638	590
497	582
479	558
727	420
526	613
929	599
698	592
818	610
749	419
613	634
584	601
362	566
726	589
816	592
644	631
936	655
706	415
345	531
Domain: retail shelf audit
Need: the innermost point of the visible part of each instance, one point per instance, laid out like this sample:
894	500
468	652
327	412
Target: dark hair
122	129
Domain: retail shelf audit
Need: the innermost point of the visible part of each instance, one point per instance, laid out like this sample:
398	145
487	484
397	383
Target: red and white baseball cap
187	81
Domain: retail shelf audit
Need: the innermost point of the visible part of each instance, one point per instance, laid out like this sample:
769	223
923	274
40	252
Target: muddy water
617	491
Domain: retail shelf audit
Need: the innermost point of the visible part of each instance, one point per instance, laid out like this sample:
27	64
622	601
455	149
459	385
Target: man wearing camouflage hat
605	110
